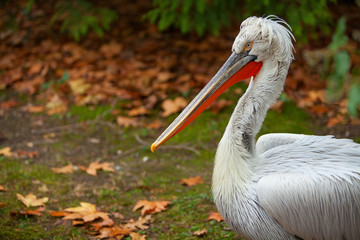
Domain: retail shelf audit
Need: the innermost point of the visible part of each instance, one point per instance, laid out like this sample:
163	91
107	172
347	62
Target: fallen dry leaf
319	109
136	236
32	200
2	189
6	151
142	223
151	207
2	204
77	222
86	212
192	181
84	207
215	216
94	166
26	154
35	109
92	216
108	232
127	121
164	76
200	233
79	86
155	124
335	120
56	105
66	169
173	106
111	49
35	68
9	104
29	212
138	111
58	213
107	222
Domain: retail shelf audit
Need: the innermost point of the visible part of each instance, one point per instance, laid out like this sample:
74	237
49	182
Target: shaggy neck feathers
236	153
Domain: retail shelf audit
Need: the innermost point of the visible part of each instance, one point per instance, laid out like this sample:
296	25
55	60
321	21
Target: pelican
282	186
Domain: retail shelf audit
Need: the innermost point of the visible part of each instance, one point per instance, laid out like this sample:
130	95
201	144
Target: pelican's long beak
237	67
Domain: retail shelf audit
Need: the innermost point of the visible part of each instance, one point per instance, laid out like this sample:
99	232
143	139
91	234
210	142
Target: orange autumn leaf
79	86
127	121
319	109
84	207
58	213
92	216
173	106
77	222
32	200
6	151
155	124
30	212
107	222
66	169
151	207
200	233
138	111
335	120
9	104
215	216
136	236
111	49
109	232
142	223
2	189
27	154
192	181
86	212
35	109
2	204
94	166
56	105
35	68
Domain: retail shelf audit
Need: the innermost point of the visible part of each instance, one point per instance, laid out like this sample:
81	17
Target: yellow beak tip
153	147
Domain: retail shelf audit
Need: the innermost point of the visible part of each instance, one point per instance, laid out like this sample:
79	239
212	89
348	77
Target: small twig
143	142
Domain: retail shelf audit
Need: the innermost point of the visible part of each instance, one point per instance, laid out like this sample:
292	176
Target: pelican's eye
248	46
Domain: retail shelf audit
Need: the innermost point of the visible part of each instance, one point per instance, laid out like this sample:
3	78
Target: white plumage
284	186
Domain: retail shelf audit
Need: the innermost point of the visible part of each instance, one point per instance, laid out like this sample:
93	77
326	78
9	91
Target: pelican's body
285	186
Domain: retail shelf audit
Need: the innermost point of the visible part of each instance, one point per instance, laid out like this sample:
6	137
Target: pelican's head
266	38
259	40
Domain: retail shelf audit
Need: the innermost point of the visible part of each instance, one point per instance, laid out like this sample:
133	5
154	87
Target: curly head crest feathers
271	37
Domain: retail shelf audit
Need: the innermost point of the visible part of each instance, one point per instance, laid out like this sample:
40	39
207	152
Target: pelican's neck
250	112
236	155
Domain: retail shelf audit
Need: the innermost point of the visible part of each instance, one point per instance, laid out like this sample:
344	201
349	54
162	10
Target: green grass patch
89	112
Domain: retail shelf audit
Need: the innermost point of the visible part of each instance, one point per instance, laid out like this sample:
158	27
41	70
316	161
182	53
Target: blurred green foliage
79	16
189	15
339	66
305	16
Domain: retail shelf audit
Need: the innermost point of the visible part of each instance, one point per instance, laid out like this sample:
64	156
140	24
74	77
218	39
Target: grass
156	178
